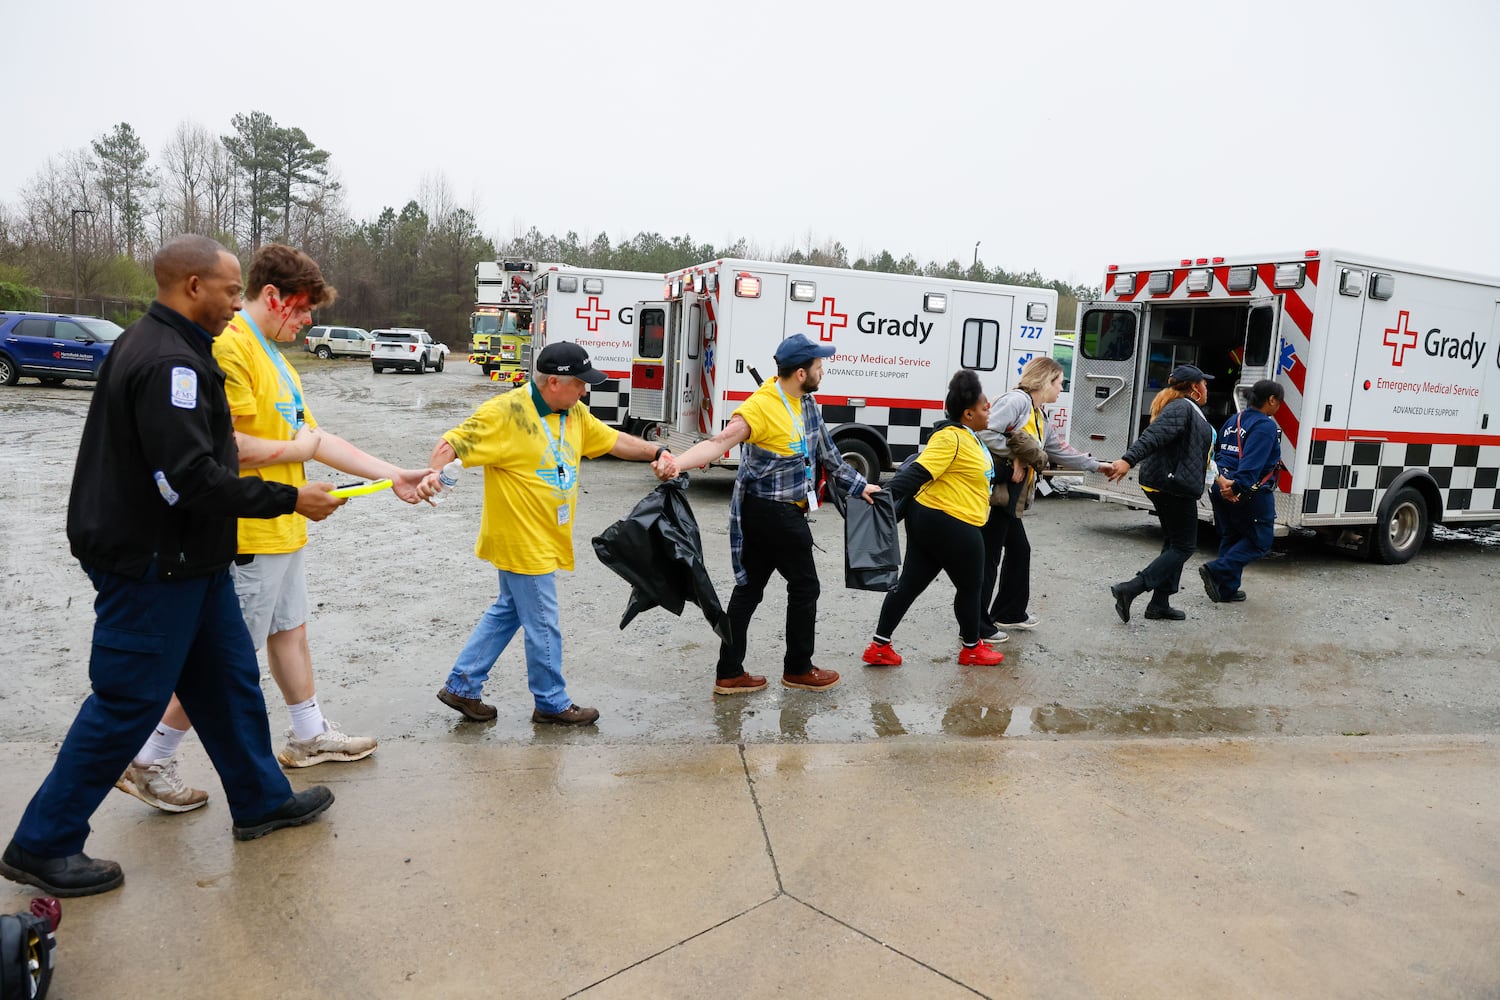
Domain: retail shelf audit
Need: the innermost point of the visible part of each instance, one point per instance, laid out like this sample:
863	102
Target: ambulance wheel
1401	527
862	458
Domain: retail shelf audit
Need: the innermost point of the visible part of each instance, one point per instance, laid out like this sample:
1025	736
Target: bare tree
186	159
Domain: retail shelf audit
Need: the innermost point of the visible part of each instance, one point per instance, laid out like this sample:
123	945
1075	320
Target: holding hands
1116	470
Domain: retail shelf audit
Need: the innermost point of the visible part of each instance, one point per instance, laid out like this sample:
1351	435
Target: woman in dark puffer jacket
1173	453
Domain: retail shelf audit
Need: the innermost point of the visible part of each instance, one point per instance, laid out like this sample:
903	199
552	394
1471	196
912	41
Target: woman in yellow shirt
946	493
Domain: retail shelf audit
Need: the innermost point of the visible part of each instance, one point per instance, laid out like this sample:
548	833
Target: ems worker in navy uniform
156	494
1244	494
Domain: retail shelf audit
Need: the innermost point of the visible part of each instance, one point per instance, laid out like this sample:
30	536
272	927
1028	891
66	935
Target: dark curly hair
964	391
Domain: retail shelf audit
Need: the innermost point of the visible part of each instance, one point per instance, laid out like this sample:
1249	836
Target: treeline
100	212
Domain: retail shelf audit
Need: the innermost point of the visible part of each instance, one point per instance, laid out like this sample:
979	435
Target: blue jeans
1247	529
528	603
151	638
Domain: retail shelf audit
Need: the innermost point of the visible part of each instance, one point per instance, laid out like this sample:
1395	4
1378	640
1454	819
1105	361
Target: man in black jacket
156	491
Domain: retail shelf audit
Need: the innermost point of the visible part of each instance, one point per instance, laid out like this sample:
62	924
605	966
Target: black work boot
74	875
1124	594
302	807
1163	612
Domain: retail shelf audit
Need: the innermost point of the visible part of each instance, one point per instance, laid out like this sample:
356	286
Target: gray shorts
273	594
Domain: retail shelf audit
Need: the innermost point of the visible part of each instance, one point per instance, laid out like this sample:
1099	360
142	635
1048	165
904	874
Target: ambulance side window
653	334
695	331
1258	337
981	346
1108	335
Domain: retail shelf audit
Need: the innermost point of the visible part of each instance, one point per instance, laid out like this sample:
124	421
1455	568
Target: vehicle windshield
509	321
102	330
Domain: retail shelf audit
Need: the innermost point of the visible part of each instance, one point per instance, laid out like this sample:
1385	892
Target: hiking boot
1030	621
158	785
979	655
743	684
814	680
990	632
570	716
471	708
1124	594
1164	613
1234	598
881	655
302	807
331	744
75	875
1210	585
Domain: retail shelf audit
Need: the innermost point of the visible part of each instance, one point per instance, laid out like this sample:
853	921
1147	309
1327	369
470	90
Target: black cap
568	359
1188	374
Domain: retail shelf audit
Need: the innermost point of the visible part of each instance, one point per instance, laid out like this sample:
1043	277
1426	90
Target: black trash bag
656	549
872	544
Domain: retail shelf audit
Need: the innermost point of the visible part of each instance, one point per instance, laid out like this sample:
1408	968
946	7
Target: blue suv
52	348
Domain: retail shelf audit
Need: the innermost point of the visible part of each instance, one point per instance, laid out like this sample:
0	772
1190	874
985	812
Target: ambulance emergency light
1351	282
567	283
934	302
1201	280
1241	279
593	286
1125	284
1160	282
804	291
1290	275
747	286
1382	286
1036	312
700	283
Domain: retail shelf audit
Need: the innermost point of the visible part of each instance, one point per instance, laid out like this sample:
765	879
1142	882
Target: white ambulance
900	338
594	308
1389	424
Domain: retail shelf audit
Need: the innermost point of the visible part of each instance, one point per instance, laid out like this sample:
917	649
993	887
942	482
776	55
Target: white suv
405	348
326	341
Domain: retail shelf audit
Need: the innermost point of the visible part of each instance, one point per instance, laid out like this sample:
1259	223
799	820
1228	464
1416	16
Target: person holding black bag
1173	453
945	498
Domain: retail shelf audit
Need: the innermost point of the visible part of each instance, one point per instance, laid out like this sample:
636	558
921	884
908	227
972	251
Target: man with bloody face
275	432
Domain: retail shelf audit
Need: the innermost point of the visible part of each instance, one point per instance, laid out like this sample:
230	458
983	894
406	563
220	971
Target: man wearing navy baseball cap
784	441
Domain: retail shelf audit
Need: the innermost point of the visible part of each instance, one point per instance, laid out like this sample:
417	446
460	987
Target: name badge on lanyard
802	447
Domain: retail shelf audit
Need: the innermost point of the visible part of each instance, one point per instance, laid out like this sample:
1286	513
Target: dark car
51	347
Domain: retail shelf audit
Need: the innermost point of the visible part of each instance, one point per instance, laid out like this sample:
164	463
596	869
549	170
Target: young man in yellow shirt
275	433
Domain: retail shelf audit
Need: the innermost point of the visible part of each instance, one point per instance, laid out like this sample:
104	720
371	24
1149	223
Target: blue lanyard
801	429
989	472
565	472
286	376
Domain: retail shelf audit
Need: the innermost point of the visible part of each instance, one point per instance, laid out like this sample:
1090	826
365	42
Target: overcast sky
1063	136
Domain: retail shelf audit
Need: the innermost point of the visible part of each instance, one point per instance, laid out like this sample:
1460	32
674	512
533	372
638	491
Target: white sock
307	719
162	745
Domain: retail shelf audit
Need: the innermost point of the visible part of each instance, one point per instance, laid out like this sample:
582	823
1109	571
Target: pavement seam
760	818
889	947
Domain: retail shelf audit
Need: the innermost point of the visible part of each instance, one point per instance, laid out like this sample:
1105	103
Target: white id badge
564	514
1043	487
812	501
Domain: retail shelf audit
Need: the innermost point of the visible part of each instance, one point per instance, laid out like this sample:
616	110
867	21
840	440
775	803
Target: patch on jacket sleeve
167	493
184	388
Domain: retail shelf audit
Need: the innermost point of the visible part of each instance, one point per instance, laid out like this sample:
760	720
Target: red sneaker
982	655
877	655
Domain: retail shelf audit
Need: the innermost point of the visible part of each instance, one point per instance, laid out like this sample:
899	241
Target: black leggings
937	542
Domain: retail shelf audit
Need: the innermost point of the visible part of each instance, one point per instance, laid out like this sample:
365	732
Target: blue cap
799	350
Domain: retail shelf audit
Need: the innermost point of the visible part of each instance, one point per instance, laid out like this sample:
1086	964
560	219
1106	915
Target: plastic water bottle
448	477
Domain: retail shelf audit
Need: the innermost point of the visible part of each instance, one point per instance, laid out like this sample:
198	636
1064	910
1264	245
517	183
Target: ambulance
1391	373
900	338
594	308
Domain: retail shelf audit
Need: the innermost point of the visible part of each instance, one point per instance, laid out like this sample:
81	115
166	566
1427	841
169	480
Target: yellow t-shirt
959	486
263	405
772	426
519	530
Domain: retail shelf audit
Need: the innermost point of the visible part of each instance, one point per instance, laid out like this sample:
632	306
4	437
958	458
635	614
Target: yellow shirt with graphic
771	424
519	530
262	405
960	486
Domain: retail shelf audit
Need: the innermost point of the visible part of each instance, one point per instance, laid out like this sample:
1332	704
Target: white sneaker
331	744
158	785
1031	621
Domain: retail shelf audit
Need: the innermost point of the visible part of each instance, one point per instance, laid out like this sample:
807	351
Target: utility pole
73	226
976	253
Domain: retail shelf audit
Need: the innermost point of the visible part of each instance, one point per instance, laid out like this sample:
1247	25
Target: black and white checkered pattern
609	401
905	429
1466	477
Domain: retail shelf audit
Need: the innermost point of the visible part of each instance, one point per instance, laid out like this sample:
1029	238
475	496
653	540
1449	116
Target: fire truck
500	326
1390	370
710	344
595	308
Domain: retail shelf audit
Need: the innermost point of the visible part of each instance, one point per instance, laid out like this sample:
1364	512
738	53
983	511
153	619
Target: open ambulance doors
1125	352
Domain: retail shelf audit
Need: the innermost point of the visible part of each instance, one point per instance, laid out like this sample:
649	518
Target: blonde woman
1173	453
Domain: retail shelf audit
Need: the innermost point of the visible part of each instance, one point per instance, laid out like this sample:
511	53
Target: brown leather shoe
814	680
743	684
473	708
570	716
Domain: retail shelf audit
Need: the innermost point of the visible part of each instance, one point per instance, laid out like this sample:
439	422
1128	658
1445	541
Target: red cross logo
1404	338
592	314
827	320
